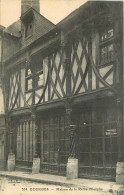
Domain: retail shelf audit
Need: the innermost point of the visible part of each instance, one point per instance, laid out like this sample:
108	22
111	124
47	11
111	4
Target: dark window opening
28	30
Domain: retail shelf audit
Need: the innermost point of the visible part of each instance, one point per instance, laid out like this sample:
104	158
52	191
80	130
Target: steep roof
14	28
86	11
43	25
2	27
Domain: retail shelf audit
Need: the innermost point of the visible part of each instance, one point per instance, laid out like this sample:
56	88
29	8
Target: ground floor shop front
93	138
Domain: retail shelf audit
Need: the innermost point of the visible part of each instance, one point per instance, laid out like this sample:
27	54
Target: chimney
26	4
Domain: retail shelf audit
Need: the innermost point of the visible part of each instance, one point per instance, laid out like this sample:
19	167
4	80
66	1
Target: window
29	80
106	46
33	81
39	79
28	30
107	53
107	34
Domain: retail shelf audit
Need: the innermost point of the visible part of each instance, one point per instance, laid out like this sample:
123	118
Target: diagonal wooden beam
108	73
44	89
52	83
79	70
14	89
16	98
29	98
99	76
61	56
72	64
57	75
83	79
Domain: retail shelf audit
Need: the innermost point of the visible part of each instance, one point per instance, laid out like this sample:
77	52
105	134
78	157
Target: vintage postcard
61	97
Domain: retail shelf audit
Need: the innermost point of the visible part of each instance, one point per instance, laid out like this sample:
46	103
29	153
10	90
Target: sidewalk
86	184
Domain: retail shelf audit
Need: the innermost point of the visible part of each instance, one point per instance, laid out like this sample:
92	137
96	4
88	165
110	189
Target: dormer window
28	30
27	20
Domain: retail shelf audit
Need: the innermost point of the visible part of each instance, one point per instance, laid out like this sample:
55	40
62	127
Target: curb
114	189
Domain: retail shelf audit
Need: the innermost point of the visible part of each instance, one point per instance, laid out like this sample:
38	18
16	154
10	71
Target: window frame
27	78
27	25
34	80
106	43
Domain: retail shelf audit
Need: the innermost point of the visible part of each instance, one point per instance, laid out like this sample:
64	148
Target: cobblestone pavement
19	187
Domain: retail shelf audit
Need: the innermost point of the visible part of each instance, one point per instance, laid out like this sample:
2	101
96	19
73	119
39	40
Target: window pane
100	160
29	84
107	34
93	145
110	33
39	79
100	145
85	131
29	71
107	145
107	53
85	159
46	157
85	145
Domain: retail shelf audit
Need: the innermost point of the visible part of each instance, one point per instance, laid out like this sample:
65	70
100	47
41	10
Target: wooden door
98	148
54	144
25	142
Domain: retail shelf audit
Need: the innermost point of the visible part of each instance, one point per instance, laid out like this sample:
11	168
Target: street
20	187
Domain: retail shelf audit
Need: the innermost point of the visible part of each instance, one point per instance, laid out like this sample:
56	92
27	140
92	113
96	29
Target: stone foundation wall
120	173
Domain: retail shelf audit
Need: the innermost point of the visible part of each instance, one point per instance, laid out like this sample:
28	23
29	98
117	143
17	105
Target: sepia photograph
61	97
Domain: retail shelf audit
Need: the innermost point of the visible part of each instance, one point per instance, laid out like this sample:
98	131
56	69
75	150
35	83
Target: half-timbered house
63	90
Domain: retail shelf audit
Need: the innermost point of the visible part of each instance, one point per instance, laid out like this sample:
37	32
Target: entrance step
23	168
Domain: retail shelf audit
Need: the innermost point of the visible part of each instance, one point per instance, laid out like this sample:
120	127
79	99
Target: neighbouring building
62	92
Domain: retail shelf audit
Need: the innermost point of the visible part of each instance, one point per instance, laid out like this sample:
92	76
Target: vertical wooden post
36	158
120	163
66	47
119	41
122	57
3	142
123	73
10	130
90	69
11	156
71	128
35	121
72	165
119	128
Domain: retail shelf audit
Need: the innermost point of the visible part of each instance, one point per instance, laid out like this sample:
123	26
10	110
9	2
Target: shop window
106	46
